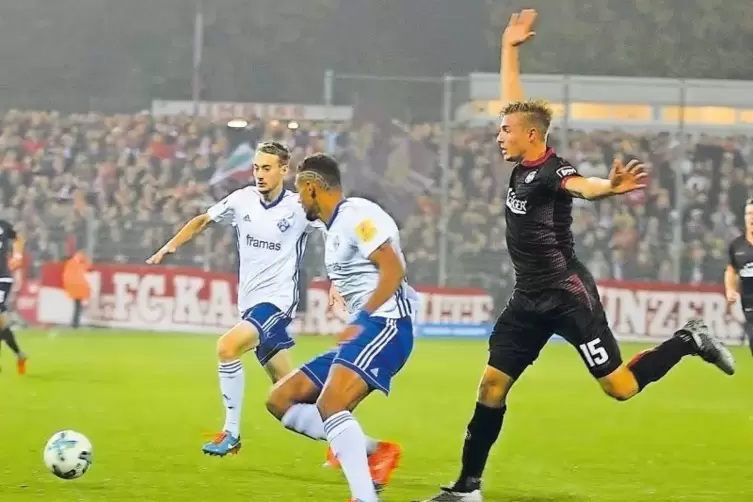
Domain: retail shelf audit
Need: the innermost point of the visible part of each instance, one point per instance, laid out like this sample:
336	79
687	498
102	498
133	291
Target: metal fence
435	166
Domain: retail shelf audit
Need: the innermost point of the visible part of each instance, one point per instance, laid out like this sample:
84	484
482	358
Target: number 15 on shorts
594	353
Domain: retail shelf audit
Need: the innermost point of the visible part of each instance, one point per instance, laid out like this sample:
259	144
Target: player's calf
621	384
482	432
279	366
342	392
692	339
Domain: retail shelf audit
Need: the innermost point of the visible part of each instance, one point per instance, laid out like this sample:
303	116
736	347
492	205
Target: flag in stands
238	165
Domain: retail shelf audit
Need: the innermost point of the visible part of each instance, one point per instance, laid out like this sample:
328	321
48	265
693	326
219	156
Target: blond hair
537	113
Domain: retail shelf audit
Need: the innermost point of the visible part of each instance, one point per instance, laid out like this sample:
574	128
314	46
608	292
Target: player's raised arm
221	212
518	31
622	179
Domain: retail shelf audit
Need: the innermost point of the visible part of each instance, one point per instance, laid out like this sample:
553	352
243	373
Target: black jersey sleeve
554	176
731	252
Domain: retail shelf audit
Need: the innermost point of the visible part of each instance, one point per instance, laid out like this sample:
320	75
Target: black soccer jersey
7	236
539	216
741	259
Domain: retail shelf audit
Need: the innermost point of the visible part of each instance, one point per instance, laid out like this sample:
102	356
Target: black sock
10	338
483	431
652	365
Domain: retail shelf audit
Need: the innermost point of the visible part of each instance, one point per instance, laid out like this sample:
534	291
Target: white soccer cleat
708	347
450	496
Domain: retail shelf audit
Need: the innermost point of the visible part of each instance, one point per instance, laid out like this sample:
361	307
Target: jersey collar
536	163
334	214
274	202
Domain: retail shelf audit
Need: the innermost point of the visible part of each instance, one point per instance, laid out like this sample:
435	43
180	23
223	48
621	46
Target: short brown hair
537	113
275	148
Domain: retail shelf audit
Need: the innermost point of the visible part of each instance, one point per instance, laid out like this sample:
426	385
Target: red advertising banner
640	310
190	300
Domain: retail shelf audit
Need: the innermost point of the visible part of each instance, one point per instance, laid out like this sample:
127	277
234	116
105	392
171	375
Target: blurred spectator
119	186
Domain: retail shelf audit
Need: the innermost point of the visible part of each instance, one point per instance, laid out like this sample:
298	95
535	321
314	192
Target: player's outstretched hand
732	296
627	178
520	28
160	255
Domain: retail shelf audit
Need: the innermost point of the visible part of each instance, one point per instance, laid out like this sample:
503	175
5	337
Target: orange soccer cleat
382	463
21	366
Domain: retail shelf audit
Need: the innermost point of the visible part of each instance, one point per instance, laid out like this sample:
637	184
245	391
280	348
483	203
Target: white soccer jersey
271	240
356	230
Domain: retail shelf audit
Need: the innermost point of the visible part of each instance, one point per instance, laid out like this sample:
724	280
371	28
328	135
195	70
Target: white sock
305	419
232	385
349	444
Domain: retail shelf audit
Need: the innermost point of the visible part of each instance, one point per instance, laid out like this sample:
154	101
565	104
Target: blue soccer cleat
223	444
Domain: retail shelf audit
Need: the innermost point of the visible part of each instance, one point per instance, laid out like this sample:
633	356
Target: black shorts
6	283
573	310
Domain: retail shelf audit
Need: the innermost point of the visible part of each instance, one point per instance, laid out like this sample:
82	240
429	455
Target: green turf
145	400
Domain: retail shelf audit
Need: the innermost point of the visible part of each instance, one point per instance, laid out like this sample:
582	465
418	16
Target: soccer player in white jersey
272	230
365	263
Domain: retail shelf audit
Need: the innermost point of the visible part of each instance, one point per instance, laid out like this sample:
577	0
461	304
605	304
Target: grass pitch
145	399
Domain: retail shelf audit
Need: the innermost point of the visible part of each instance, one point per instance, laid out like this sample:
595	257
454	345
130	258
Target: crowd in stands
123	184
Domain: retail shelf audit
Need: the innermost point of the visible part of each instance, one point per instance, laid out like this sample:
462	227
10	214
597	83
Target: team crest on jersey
366	230
286	222
530	177
247	218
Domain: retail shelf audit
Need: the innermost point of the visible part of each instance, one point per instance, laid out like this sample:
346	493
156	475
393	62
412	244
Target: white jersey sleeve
357	230
368	228
224	211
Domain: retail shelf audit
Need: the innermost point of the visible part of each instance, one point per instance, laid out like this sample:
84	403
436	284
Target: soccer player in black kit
738	277
8	244
554	293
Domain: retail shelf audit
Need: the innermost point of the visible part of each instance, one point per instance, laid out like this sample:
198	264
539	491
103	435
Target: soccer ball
68	454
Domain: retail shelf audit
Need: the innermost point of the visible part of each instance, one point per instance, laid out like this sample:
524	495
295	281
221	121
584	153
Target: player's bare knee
236	342
226	349
617	393
281	398
620	384
292	389
279	402
493	389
